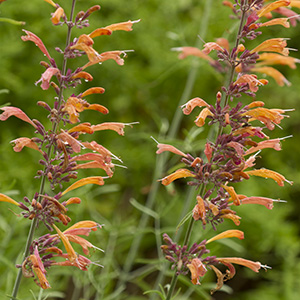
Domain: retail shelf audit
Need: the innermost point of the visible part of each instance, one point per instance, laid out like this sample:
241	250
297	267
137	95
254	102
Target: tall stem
43	179
233	63
230	79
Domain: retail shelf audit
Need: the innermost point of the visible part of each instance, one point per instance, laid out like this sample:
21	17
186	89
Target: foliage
147	89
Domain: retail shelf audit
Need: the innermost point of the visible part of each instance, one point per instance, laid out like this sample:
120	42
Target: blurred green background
148	89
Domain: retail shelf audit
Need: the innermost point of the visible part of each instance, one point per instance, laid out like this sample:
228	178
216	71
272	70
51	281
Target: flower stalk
226	159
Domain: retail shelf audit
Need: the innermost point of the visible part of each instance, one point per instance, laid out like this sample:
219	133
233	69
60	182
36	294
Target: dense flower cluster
62	152
231	157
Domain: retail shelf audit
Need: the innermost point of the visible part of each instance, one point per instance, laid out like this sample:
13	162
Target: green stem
172	286
192	221
233	63
43	179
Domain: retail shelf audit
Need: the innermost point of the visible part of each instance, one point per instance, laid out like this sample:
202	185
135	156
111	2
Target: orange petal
73	200
93	90
230	190
38	42
275	144
59	13
272	6
99	108
84	224
14	111
188	107
5	198
96	164
233	217
256	104
187	51
197	269
273	45
126	26
267	202
51	2
218	273
84	127
181	173
278	21
254	266
81	241
227	234
279	78
275	58
72	256
99	32
280	179
72	142
200	121
96	58
85	75
22	142
208	47
164	147
88	180
199	211
117	127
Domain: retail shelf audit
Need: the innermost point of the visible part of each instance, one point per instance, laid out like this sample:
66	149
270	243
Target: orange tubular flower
275	144
279	78
272	6
40	272
197	269
164	147
17	112
181	173
126	26
66	138
117	127
228	261
280	179
273	45
46	77
267	116
277	59
4	198
278	21
188	107
38	42
22	142
267	202
187	51
227	234
199	211
252	81
93	90
59	13
51	2
72	256
84	181
200	121
234	197
84	75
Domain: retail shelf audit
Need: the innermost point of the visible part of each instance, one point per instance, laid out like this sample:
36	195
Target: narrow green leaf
184	219
144	209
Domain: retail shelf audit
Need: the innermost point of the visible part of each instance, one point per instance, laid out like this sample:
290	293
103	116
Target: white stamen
154	140
286	137
265	267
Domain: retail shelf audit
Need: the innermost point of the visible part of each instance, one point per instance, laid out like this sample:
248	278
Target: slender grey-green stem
192	221
43	179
